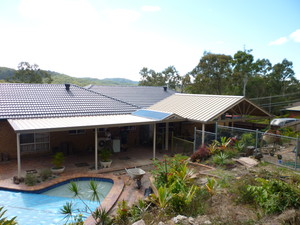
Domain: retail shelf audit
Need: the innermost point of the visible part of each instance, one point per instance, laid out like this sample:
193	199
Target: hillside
59	78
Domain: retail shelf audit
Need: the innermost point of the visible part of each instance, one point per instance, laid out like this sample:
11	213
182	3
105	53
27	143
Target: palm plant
100	215
4	220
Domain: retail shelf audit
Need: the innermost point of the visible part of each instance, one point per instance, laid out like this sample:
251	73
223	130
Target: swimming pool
43	207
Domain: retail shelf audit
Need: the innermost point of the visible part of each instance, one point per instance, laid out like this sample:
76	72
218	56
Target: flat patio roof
82	122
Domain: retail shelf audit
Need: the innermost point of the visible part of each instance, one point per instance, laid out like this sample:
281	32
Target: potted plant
57	161
105	160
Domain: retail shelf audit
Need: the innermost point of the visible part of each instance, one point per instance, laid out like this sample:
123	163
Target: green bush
220	159
239	188
45	174
123	213
274	196
174	181
31	179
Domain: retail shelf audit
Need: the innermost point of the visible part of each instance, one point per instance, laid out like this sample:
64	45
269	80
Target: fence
182	146
275	148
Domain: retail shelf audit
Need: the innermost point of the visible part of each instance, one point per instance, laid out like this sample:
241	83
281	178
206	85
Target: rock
161	223
140	222
179	219
191	220
202	220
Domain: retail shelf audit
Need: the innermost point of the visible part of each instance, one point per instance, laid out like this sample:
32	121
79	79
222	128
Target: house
294	111
45	118
141	96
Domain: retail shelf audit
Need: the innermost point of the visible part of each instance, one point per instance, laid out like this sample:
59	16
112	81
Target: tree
212	74
281	77
243	67
27	73
169	76
172	77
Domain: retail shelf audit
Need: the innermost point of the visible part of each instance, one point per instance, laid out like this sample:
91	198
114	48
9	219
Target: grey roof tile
53	100
142	96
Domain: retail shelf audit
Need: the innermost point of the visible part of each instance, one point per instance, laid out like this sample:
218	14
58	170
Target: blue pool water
40	208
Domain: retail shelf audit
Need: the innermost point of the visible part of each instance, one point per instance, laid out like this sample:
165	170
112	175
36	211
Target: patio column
18	155
154	140
96	149
167	137
203	133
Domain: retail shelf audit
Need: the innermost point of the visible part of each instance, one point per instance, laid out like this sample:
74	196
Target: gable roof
53	100
141	96
206	108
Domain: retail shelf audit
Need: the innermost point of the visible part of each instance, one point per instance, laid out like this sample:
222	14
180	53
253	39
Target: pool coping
107	203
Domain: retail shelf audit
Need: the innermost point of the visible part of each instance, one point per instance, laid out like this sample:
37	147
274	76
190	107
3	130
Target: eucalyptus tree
212	74
243	68
27	73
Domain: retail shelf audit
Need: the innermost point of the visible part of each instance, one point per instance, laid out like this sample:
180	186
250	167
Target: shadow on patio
82	163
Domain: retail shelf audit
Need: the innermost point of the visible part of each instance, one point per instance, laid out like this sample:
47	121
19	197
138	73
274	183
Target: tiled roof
142	96
53	100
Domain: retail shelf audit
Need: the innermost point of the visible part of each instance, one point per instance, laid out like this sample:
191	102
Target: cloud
295	36
150	8
279	41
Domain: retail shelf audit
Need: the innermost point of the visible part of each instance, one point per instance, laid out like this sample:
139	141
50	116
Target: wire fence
182	146
272	146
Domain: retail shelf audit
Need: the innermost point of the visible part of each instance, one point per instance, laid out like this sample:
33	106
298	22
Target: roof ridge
116	99
208	95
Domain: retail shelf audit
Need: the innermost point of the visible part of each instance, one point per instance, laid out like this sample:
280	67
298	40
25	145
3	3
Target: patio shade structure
209	109
141	117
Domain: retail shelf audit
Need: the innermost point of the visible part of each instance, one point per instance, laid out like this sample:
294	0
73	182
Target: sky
117	38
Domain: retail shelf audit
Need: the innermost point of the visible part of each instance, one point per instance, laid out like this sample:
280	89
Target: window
35	142
74	132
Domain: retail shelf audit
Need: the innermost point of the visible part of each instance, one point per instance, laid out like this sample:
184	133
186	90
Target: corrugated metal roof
296	108
53	100
141	96
201	108
72	123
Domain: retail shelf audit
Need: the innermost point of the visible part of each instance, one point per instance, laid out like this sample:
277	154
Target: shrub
239	188
164	170
45	174
220	159
31	179
274	196
123	213
201	154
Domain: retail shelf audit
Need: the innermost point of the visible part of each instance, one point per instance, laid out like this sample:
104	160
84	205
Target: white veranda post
203	133
18	155
154	140
96	149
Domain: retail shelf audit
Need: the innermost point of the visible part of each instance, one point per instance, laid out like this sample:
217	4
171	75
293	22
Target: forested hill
59	78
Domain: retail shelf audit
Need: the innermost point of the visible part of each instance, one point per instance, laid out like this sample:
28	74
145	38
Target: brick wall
8	140
72	143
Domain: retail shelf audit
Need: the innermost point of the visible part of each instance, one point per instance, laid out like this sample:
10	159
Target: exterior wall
8	140
72	143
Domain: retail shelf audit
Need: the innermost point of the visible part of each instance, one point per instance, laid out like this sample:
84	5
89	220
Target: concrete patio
83	163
